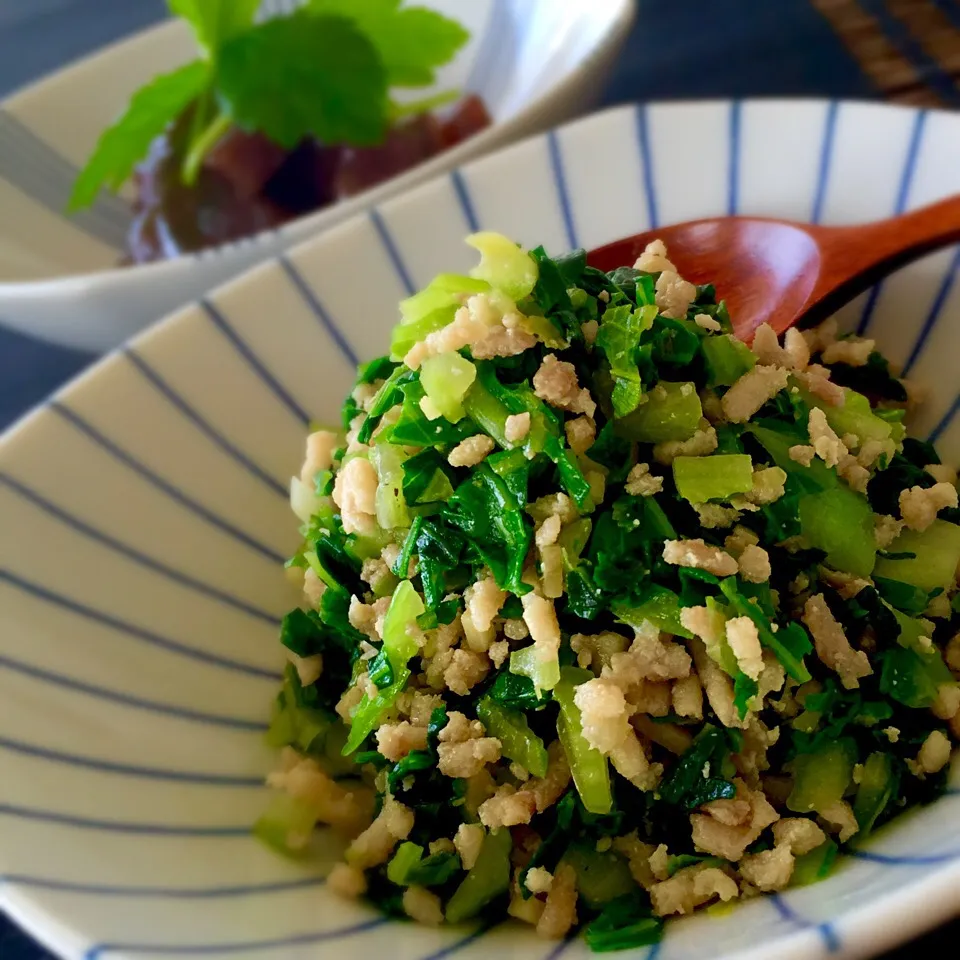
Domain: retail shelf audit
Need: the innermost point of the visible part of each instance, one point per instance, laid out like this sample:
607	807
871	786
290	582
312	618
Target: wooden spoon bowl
782	273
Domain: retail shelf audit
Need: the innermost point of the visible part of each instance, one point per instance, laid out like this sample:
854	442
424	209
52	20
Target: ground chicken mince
606	616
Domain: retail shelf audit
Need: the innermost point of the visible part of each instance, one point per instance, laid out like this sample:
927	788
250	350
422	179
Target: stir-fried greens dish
278	117
606	615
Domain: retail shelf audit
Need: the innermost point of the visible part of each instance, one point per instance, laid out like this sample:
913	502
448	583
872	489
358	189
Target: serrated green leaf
305	75
412	41
127	141
215	21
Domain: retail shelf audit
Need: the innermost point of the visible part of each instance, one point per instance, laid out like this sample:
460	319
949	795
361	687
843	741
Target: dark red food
248	184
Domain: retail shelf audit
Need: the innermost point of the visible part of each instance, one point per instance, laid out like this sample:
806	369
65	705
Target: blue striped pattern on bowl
534	62
144	517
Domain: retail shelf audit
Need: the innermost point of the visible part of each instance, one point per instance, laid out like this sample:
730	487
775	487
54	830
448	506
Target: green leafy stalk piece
936	553
821	778
518	741
488	878
814	866
619	338
122	145
840	522
625	923
700	479
399	647
790	643
658	605
672	413
877	790
591	775
699	776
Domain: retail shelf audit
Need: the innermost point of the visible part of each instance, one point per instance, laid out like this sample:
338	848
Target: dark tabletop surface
879	49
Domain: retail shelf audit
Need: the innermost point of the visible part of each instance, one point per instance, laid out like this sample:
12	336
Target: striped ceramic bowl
144	521
534	62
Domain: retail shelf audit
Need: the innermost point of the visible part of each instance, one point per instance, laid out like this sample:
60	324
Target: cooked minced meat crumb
590	590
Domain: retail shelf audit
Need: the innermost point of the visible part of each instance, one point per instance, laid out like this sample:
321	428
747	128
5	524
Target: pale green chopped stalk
573	539
387	460
876	790
601	877
445	379
727	359
672	411
660	606
405	607
718	477
821	779
545	674
407	856
518	742
504	265
287	825
854	416
407	335
840	522
369	712
306	503
591	774
544	330
937	552
445	290
487	880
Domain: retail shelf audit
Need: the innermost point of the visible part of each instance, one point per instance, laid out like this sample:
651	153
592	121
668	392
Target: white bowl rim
488	140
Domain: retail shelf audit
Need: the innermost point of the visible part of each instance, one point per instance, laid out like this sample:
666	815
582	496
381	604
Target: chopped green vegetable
727	360
658	605
504	265
445	380
601	877
875	792
790	644
406	858
719	477
434	870
517	741
820	779
286	825
619	339
815	865
540	539
840	522
544	674
588	766
625	923
671	411
936	554
488	879
517	692
702	773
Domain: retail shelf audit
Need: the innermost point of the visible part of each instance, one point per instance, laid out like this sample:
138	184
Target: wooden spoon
783	273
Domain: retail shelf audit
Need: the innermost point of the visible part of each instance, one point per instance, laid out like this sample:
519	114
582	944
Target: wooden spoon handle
866	253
